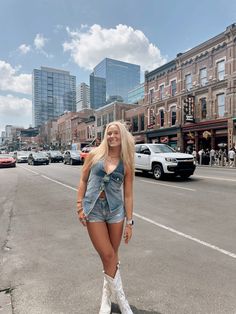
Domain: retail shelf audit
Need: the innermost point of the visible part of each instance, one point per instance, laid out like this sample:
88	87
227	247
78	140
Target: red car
85	152
7	161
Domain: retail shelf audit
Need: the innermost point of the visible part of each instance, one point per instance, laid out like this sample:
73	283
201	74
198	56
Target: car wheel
157	172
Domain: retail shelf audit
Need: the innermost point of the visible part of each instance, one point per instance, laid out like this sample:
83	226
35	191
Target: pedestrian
212	156
231	156
102	209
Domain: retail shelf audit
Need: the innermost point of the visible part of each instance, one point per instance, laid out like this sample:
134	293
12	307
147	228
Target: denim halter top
99	181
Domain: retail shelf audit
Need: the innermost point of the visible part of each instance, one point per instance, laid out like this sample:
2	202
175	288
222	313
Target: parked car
7	161
161	159
39	158
21	156
55	156
85	152
72	157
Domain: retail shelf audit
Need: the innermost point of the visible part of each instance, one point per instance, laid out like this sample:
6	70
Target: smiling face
113	136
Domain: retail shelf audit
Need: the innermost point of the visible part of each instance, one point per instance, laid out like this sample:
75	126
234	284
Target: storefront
206	135
139	138
166	136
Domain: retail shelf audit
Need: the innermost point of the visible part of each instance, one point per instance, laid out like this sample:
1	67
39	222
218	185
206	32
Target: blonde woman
102	209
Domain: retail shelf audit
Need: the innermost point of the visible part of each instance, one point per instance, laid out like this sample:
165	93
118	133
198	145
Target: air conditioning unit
194	83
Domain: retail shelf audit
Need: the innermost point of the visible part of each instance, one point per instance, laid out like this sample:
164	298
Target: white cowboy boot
116	288
106	298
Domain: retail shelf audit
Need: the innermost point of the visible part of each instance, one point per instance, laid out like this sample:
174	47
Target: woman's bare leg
115	233
103	240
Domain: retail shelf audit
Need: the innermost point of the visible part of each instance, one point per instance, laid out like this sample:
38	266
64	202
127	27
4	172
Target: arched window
173	115
162	117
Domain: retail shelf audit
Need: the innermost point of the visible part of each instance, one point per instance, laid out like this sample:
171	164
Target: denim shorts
101	213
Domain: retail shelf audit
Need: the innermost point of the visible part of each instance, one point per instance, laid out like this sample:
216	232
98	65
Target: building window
221	105
99	121
142	122
161	92
135	124
104	119
173	115
221	70
203	108
151	96
162	117
203	76
188	81
173	88
111	116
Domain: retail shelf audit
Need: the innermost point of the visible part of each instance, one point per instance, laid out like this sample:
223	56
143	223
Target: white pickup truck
161	159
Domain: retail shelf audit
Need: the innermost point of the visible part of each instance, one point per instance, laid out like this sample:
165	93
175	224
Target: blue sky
75	35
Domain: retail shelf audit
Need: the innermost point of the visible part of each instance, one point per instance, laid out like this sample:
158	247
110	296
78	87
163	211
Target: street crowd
220	157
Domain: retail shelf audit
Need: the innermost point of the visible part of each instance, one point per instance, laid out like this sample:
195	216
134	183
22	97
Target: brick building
191	100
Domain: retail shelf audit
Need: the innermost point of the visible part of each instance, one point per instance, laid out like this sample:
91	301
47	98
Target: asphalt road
181	260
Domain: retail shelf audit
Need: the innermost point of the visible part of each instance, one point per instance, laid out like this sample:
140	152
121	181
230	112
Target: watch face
130	222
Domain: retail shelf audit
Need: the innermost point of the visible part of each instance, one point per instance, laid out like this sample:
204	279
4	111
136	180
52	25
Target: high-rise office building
111	80
54	92
97	91
82	97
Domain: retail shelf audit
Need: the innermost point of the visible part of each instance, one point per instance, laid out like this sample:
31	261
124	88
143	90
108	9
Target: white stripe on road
67	186
28	169
215	178
216	248
169	185
213	247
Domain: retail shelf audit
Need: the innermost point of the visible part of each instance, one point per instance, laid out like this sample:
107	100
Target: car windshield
55	153
41	155
75	153
22	153
161	148
5	156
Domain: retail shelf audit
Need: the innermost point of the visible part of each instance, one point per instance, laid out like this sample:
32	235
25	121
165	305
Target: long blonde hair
127	146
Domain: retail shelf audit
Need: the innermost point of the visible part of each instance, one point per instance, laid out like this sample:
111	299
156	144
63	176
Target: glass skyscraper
54	92
118	78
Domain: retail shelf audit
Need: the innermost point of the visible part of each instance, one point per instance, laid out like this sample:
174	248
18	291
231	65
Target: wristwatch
130	222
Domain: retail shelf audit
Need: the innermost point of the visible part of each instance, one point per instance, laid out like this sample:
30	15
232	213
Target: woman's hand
82	217
127	233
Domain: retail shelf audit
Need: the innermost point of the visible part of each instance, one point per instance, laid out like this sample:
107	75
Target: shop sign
206	134
189	108
164	139
151	118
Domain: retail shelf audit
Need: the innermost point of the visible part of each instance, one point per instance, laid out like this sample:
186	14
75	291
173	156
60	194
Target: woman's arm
128	202
128	193
83	181
82	188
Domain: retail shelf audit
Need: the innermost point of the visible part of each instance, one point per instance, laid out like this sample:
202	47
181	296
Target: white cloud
24	49
10	80
15	111
40	41
124	43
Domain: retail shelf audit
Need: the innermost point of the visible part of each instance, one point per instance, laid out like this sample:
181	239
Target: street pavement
181	259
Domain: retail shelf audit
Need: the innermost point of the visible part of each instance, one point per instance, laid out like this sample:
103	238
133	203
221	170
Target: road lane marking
169	185
215	178
216	248
67	186
28	169
189	237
